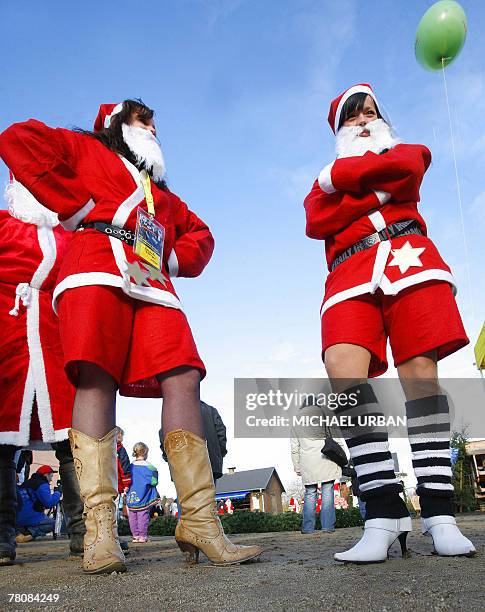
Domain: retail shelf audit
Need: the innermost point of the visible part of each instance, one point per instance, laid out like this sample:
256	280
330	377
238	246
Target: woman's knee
347	361
90	375
420	367
180	380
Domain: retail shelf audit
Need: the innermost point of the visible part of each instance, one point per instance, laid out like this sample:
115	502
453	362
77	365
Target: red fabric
334	104
130	339
428	309
81	179
20	258
342	219
124	480
65	170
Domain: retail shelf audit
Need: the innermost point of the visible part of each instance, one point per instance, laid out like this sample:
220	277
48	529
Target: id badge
149	238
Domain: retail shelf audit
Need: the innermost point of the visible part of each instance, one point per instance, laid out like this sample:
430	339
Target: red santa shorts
418	319
130	339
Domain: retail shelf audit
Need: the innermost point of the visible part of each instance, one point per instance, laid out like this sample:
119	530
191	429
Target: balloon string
458	189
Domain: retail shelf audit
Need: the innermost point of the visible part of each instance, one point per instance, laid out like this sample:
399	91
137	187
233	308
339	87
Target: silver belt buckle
372	239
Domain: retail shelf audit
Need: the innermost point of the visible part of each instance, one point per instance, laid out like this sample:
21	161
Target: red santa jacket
355	197
78	177
31	362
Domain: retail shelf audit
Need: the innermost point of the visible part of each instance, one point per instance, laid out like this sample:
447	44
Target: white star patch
138	274
407	257
156	275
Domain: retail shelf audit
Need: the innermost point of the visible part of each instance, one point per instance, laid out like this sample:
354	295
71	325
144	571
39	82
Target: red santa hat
337	104
105	114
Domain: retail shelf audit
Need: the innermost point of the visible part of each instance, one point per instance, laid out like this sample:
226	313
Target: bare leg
419	376
94	410
347	365
181	401
387	517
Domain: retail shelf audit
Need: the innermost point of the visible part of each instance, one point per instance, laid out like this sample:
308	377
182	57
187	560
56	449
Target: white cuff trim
71	223
325	179
382	196
173	264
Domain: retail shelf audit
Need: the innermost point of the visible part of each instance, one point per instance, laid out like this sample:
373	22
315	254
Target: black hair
112	136
354	103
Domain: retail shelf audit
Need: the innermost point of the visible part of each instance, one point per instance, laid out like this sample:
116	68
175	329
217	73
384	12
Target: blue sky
241	89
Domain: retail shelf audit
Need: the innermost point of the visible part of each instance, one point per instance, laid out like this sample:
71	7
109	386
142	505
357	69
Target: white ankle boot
447	538
379	535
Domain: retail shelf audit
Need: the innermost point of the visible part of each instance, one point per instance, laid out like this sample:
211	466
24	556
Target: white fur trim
133	170
71	224
38	370
47	243
377	220
23	206
121	263
146	294
345	295
125	209
325	179
350	92
26	410
117	109
421	277
380	262
173	264
382	196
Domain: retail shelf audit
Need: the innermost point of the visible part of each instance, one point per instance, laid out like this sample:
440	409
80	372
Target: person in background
36	497
142	494
314	468
124	465
23	461
124	478
36	396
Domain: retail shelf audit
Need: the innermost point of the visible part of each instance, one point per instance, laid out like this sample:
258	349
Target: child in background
142	494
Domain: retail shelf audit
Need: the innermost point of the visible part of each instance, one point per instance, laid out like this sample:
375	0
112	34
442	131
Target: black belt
110	230
400	228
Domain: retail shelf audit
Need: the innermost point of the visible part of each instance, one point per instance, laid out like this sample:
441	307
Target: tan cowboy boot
199	526
96	469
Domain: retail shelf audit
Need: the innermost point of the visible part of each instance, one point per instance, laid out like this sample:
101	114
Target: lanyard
145	180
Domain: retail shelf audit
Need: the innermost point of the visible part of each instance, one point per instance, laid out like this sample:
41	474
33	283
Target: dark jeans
42	528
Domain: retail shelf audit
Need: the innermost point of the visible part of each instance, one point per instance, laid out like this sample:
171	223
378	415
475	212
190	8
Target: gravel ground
295	572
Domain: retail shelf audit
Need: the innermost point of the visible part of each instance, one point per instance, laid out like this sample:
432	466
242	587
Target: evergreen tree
463	475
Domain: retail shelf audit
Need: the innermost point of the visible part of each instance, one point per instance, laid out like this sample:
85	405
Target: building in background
255	490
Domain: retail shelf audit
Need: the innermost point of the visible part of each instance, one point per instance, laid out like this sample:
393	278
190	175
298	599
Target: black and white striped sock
369	451
428	421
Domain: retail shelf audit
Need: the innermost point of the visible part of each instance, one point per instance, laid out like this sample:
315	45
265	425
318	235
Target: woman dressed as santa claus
122	325
37	398
386	280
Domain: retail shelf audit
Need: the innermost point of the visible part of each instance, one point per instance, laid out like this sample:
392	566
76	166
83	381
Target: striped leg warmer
428	422
369	452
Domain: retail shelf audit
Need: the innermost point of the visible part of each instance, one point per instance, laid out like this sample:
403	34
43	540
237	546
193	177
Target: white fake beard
23	206
348	143
144	146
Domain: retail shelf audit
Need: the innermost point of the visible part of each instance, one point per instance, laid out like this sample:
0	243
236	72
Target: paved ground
296	572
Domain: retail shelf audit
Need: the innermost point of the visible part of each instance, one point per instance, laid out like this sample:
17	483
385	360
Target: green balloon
440	35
